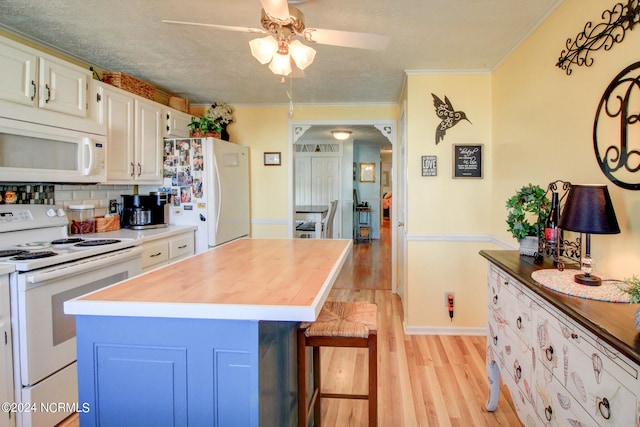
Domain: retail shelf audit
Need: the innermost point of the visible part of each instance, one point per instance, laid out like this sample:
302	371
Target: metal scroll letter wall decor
603	35
616	129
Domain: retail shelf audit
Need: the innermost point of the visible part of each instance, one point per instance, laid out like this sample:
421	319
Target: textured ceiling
215	65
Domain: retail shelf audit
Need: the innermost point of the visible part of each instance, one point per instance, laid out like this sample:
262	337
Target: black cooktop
98	242
33	255
11	252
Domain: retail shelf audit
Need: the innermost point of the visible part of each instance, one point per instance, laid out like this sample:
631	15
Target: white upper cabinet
134	135
176	123
63	87
35	79
18	78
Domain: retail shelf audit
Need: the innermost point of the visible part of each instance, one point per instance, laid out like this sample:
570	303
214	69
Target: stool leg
302	380
373	380
317	385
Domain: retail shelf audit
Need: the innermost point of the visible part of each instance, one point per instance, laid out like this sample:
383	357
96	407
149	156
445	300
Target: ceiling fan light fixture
302	54
281	64
263	48
341	135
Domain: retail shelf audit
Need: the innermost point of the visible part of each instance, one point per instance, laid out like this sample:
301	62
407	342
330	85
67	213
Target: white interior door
325	177
400	215
303	180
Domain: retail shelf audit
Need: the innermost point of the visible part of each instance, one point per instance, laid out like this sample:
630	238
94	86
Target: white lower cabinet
558	374
163	251
6	357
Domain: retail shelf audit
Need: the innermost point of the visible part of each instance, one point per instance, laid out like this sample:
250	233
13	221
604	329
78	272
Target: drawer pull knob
549	353
519	322
548	413
495	340
495	299
518	372
574	335
604	408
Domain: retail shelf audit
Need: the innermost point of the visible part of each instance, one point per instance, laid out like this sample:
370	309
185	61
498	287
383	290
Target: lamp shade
588	209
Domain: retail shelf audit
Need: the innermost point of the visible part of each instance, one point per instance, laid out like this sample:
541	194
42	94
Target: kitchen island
209	340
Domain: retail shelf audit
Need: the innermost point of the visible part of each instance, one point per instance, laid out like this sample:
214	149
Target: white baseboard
444	330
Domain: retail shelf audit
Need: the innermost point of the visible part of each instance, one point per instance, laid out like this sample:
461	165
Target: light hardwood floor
423	380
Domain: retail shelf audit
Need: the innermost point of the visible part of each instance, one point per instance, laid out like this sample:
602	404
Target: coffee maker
143	212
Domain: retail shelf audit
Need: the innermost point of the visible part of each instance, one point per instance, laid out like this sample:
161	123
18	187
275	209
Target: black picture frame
467	160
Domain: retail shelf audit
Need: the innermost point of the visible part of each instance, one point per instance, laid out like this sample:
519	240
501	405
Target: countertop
6	268
246	279
612	322
144	235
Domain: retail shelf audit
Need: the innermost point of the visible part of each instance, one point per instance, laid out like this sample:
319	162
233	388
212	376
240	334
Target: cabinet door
17	75
148	137
177	124
63	87
118	116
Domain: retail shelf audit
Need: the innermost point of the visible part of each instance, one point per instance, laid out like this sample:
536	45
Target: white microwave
31	152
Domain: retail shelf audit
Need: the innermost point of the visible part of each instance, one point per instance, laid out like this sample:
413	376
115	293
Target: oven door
47	336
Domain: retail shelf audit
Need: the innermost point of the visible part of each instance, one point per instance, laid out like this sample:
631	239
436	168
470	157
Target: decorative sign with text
429	166
467	161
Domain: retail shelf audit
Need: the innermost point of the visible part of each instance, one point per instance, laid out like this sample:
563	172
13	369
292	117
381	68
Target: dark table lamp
588	210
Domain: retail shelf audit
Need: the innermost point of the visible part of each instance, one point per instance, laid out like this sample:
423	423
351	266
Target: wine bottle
551	224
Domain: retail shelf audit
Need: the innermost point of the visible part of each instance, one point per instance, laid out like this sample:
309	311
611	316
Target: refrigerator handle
219	204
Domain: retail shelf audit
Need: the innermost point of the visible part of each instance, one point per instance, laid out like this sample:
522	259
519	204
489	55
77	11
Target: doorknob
400	224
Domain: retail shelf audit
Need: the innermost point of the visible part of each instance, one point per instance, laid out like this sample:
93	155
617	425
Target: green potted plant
204	126
526	210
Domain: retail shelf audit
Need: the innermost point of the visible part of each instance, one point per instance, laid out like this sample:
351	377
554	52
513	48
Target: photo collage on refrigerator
183	172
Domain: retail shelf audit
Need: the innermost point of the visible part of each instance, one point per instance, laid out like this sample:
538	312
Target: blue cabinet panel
136	371
233	386
155	396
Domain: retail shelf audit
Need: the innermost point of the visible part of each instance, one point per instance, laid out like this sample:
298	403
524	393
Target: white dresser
566	361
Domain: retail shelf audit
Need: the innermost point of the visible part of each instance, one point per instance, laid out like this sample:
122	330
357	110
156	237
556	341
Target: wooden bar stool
339	324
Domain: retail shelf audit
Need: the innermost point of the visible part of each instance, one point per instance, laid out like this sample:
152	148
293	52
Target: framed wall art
467	160
429	166
272	158
367	172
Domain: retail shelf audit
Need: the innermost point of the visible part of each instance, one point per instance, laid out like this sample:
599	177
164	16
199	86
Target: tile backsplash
68	194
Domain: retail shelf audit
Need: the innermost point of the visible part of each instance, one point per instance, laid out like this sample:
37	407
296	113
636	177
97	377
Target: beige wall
448	220
266	129
543	123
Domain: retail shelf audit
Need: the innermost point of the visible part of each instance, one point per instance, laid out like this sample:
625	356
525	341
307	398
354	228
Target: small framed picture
429	166
272	158
367	172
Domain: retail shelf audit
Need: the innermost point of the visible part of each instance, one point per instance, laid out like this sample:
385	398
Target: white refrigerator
208	180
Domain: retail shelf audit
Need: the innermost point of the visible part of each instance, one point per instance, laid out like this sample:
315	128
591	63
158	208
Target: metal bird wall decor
450	117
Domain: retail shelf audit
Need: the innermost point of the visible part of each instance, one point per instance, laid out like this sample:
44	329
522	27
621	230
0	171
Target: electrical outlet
113	206
446	298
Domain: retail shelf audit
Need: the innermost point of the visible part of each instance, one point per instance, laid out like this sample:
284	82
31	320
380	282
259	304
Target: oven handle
83	265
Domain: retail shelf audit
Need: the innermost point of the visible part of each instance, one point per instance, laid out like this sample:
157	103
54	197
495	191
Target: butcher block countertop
247	279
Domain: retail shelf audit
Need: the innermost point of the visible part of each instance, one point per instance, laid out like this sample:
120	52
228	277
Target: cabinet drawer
154	253
591	375
181	246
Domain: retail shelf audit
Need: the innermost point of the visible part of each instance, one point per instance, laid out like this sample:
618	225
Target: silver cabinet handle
33	85
133	169
155	255
139	169
48	93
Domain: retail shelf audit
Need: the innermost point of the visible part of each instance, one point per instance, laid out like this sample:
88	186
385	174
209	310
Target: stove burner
98	242
33	255
11	252
67	241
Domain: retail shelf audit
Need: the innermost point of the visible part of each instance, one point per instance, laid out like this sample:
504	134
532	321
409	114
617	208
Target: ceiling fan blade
220	27
347	39
276	8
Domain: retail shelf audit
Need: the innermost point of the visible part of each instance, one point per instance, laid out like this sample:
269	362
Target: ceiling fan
281	23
